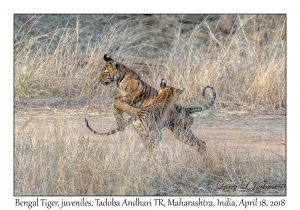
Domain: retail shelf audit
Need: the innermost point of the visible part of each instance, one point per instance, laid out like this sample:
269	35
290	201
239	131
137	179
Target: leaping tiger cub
133	91
149	120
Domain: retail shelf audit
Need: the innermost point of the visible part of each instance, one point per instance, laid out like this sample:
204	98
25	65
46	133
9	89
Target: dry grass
247	68
54	158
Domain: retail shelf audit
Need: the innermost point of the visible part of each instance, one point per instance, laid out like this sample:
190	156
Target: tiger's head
110	72
167	93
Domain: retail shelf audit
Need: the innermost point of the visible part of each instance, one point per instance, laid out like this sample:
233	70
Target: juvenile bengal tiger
150	119
133	91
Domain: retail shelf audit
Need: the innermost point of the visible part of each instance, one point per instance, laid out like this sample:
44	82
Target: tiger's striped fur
133	91
150	119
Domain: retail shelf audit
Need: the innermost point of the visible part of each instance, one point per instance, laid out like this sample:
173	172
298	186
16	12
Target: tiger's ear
179	90
163	83
107	58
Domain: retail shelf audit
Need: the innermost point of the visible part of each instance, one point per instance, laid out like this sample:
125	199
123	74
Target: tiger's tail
119	128
214	94
207	105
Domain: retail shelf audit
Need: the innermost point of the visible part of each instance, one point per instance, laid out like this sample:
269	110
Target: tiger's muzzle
107	81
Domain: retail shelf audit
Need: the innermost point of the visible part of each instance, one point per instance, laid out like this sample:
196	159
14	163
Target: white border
153	6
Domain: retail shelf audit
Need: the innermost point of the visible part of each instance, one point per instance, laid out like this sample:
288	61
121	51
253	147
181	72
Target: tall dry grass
56	64
247	67
54	158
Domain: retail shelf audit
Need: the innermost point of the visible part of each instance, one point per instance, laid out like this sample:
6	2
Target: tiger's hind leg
151	142
150	138
185	135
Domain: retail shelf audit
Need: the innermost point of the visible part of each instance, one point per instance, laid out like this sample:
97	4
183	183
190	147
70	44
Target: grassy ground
55	154
56	86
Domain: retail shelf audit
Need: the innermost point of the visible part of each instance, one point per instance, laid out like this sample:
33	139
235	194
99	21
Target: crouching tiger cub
133	91
150	119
